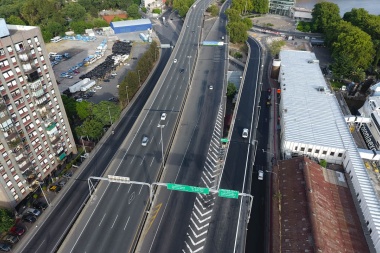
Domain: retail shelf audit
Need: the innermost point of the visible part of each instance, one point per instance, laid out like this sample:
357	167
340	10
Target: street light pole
126	89
109	113
162	144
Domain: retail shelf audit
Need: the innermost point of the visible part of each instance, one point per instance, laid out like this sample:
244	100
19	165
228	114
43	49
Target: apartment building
35	136
281	7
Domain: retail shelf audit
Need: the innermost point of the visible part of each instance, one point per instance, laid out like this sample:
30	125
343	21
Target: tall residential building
35	135
281	7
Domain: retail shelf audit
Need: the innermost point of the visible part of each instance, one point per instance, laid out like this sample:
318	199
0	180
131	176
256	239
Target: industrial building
128	26
281	7
312	124
35	135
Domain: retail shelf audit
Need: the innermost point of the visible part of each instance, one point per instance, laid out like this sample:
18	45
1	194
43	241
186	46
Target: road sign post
188	188
231	194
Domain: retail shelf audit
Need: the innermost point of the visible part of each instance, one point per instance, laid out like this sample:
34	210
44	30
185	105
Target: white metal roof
144	21
310	111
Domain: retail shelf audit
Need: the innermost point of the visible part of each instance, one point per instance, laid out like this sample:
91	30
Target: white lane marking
140	190
133	158
114	221
142	160
118	187
102	219
127	222
131	198
40	246
151	162
129	188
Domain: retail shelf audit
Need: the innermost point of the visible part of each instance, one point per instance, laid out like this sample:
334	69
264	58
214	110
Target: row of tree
237	26
54	17
354	40
133	80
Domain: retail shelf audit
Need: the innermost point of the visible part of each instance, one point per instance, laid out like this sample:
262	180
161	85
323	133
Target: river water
372	6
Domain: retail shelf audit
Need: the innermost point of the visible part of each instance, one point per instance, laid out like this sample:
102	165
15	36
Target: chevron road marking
199	228
196	236
191	251
196	243
203	214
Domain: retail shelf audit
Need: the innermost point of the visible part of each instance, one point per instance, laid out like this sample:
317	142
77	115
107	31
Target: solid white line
133	158
114	221
151	162
129	188
40	245
140	189
127	222
142	160
118	187
102	220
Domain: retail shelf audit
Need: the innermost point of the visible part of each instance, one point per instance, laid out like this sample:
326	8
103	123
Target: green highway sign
228	194
225	140
188	188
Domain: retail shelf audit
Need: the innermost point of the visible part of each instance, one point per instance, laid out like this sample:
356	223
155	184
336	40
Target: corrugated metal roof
124	23
310	115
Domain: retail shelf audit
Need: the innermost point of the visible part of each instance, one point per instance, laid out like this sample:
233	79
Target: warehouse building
128	26
312	124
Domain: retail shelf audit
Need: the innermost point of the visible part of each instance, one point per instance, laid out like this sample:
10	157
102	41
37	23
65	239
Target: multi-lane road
110	222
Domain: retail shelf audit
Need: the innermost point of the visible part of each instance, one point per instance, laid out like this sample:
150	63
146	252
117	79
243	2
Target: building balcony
30	68
25	166
24	49
26	57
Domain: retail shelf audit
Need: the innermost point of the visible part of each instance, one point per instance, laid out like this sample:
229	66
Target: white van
56	39
261	175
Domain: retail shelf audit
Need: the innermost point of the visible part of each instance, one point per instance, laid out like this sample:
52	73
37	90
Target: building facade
35	134
281	7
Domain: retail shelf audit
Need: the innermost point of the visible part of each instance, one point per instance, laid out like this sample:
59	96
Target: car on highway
33	211
29	218
40	205
175	60
145	141
5	247
10	238
16	230
269	97
210	87
181	70
260	175
245	133
163	116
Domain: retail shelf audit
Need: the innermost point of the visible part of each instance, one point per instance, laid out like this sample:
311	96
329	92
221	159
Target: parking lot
79	50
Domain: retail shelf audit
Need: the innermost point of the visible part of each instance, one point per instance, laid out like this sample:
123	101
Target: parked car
55	188
106	80
62	183
16	230
40	205
5	246
68	174
175	60
29	218
98	87
79	100
113	74
11	238
33	211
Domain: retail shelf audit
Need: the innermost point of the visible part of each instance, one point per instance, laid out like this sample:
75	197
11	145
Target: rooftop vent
313	61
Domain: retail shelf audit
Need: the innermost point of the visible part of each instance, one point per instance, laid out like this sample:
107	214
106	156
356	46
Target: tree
6	220
98	22
231	90
74	11
213	9
242	6
53	28
37	12
79	27
91	128
105	112
237	32
14	20
70	106
325	14
233	15
133	11
275	47
84	109
261	6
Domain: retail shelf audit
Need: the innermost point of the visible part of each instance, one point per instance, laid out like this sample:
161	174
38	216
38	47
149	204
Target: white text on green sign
188	188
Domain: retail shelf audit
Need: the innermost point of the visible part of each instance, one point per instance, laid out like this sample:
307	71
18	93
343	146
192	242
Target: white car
113	74
163	116
261	175
175	60
145	141
79	100
210	87
33	211
245	133
98	87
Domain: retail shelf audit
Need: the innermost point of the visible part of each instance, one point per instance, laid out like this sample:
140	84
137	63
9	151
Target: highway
52	226
110	221
228	223
201	124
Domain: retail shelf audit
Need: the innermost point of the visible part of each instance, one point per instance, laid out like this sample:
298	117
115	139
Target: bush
157	11
323	163
143	9
238	55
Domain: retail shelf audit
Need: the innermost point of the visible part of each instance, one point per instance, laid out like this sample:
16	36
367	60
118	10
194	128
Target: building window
340	155
324	152
2	52
317	151
332	153
302	149
4	63
309	150
9	48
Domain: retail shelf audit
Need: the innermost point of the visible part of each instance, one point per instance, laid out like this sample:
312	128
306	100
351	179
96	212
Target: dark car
40	205
134	58
16	230
5	246
29	218
68	174
181	70
12	239
106	80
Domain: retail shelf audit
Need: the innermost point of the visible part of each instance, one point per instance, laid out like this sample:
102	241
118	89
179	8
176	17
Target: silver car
145	141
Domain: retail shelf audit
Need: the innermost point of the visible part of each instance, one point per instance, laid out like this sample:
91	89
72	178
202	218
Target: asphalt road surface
167	226
111	220
228	222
